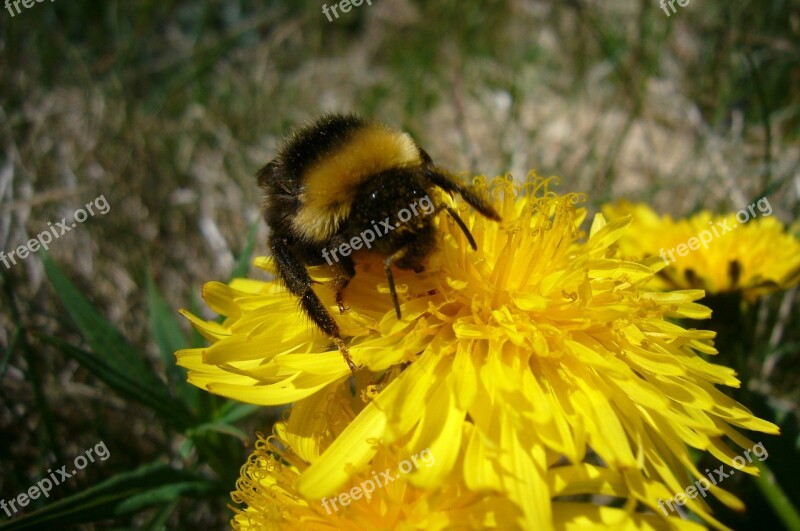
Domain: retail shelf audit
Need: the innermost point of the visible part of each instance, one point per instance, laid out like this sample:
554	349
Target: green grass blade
168	336
162	403
219	427
233	412
160	519
775	496
124	494
113	359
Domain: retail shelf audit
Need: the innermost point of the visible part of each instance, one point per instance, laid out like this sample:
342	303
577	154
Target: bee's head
398	204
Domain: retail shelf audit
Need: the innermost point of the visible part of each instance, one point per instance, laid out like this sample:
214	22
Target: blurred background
167	109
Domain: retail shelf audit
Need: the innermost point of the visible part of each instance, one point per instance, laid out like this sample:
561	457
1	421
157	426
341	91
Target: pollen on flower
370	393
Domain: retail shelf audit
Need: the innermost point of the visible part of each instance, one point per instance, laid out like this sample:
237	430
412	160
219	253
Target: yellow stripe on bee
330	185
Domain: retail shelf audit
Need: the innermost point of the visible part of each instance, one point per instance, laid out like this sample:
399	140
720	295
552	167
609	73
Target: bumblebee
339	187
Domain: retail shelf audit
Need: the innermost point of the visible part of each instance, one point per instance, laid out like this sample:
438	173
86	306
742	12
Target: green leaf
218	427
163	404
168	336
776	497
233	412
160	519
121	495
112	359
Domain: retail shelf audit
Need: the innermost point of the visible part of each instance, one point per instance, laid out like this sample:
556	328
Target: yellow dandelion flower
548	343
381	494
747	252
378	496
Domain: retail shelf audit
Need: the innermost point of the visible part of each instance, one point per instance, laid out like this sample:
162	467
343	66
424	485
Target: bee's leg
409	257
295	276
387	267
344	269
